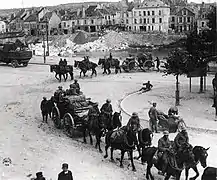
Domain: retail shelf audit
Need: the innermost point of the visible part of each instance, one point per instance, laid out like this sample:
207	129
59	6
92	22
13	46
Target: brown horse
84	67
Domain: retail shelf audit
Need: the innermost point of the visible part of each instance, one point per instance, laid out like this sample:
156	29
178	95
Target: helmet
65	165
134	114
108	100
154	103
166	133
39	174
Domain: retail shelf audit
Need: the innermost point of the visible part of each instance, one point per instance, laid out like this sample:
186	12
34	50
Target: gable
183	10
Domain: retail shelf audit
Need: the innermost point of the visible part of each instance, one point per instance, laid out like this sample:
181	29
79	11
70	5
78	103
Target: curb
40	63
120	105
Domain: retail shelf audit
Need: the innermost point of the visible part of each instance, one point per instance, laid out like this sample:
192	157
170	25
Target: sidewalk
40	60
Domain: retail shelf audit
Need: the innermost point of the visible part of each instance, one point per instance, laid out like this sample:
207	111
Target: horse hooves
105	156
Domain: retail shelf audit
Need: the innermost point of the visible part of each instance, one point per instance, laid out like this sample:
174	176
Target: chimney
83	12
78	12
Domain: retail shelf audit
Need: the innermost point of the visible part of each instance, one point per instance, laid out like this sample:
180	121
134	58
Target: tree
176	64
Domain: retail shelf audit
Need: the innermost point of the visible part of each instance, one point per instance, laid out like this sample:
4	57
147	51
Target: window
3	26
64	24
152	28
92	21
148	13
184	19
113	21
127	21
189	27
135	28
144	13
153	20
140	21
160	20
180	28
180	19
85	21
140	14
134	13
108	17
149	28
184	12
127	14
135	21
148	20
144	21
152	13
189	19
185	28
77	21
159	12
73	23
203	24
173	19
159	28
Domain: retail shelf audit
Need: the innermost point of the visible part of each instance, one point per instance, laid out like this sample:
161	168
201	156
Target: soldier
44	109
72	90
77	86
158	64
65	62
106	109
146	86
164	145
181	139
110	56
134	122
93	114
61	63
153	117
65	174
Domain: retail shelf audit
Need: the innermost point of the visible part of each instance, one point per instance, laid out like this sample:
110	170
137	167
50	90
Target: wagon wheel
56	117
69	124
125	66
25	64
14	63
181	124
133	66
148	65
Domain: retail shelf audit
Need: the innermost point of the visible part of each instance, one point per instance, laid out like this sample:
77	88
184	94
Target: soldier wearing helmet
77	86
153	117
93	114
164	145
181	139
134	122
72	90
106	109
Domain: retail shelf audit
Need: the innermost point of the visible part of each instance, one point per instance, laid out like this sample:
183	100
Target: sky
8	4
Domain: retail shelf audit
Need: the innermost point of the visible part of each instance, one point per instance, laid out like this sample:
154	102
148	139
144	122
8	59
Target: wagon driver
77	85
93	114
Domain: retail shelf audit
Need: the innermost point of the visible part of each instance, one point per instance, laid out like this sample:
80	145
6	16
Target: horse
200	155
84	67
109	63
99	125
123	139
185	157
62	71
145	137
210	173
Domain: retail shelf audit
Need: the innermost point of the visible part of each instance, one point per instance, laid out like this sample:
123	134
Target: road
34	146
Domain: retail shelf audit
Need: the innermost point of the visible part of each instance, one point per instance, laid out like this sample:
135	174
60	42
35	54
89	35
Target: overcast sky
6	4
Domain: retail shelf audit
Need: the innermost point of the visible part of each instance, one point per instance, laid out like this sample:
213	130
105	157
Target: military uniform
44	109
77	86
153	118
134	122
180	140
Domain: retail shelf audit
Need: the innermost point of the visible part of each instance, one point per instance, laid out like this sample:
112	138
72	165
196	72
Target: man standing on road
153	117
44	109
158	64
65	174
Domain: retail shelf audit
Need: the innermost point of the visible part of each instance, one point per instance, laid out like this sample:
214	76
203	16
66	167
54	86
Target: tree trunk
201	84
177	91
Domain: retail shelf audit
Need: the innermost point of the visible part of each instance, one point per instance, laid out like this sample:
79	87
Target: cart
71	113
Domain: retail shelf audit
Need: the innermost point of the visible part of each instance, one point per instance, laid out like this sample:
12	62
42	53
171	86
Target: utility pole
44	47
47	38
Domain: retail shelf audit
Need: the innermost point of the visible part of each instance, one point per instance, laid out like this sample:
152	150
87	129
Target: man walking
44	109
153	117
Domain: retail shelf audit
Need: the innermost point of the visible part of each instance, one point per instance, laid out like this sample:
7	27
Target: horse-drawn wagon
62	71
142	61
70	112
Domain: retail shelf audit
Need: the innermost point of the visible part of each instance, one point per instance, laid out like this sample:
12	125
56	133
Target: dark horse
108	63
145	137
184	157
62	71
210	173
123	139
98	126
84	67
200	155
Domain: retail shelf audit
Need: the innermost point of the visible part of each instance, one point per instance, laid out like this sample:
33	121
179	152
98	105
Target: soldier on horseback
87	61
65	62
61	63
181	140
164	146
106	110
77	86
134	122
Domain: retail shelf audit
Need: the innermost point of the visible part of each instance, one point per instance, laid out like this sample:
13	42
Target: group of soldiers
63	62
66	174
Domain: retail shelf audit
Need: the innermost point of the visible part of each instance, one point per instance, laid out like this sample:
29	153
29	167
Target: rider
106	109
72	90
77	86
153	117
181	139
164	145
61	63
134	122
146	86
87	61
93	113
110	56
64	62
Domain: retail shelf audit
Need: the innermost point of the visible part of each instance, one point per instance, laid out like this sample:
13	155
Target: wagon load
79	101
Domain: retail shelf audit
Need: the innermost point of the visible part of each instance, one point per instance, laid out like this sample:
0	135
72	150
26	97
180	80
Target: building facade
3	27
149	16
